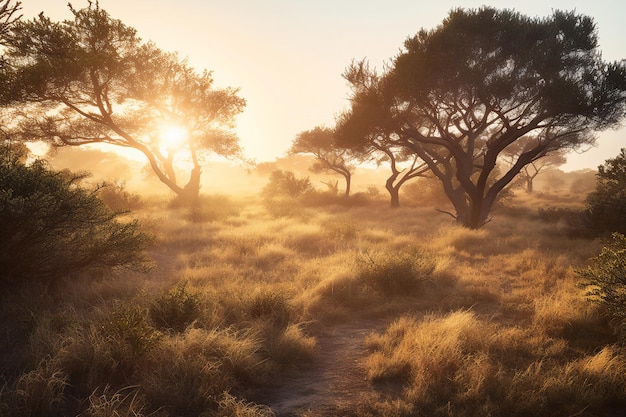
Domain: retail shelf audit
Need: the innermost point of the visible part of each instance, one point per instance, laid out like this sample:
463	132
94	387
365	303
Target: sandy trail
335	378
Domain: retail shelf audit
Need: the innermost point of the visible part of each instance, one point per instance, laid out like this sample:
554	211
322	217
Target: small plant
269	305
394	274
41	392
177	309
605	282
231	406
123	403
130	335
117	197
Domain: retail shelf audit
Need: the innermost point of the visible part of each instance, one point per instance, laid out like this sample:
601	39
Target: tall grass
486	322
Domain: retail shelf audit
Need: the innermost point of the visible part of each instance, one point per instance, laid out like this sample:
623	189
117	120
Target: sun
173	137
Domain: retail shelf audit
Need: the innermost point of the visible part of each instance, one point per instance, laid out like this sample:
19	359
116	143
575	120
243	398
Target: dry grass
486	322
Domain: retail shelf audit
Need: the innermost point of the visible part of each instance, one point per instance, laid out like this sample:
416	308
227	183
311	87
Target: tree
92	80
320	142
8	16
51	227
606	205
529	172
381	142
459	95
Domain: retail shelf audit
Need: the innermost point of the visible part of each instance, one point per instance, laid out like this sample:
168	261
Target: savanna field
261	307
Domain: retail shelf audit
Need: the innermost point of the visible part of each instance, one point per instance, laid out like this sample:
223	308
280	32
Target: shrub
606	206
394	274
191	372
50	226
573	220
268	305
129	334
117	198
176	309
605	282
208	208
285	184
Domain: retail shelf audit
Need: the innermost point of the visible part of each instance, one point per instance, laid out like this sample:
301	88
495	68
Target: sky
287	56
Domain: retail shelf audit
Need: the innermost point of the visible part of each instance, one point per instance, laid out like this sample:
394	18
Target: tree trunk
348	178
191	191
529	185
393	191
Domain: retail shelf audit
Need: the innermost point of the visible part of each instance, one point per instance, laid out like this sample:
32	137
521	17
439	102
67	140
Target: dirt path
335	377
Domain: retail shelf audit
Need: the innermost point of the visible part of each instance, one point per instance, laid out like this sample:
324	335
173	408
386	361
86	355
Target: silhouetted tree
459	95
92	80
320	142
379	143
8	17
606	205
529	172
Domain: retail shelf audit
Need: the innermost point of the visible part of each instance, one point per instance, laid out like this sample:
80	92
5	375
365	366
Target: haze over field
287	56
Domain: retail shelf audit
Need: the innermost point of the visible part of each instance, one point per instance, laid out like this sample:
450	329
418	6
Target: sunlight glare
173	137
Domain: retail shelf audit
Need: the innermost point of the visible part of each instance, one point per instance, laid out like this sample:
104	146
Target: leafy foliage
321	143
459	95
606	206
605	281
50	226
118	198
93	80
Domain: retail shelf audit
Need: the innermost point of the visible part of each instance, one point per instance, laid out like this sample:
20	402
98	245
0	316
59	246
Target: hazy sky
287	56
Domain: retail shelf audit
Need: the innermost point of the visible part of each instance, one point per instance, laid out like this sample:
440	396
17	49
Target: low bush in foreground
605	282
395	274
51	226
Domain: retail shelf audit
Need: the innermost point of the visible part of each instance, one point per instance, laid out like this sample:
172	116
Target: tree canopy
93	80
459	95
320	142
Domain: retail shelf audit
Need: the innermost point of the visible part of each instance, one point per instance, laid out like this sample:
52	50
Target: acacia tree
460	94
380	143
93	80
529	172
320	142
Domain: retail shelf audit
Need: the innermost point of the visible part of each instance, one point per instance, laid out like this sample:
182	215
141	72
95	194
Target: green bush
606	206
50	226
605	282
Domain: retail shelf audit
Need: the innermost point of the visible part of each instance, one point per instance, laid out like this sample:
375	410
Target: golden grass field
247	303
